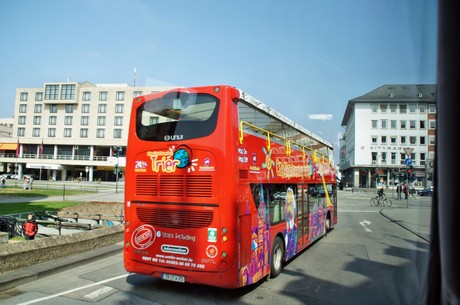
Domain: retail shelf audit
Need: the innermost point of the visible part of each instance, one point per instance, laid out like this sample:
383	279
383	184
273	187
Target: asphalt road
367	259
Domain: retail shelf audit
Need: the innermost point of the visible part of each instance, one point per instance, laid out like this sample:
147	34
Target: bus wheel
277	257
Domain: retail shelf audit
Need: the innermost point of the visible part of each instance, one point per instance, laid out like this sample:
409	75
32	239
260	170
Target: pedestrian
405	191
30	228
30	182
25	185
3	182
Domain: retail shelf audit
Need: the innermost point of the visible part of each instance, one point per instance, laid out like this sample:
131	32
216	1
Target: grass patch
10	192
22	207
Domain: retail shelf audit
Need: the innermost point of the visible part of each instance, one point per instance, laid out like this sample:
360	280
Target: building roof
416	93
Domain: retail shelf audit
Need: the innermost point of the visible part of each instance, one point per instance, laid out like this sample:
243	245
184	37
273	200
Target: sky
304	58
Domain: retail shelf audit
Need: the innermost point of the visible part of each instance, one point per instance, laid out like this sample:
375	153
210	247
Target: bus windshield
177	116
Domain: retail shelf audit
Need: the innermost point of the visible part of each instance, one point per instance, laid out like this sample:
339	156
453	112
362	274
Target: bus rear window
177	116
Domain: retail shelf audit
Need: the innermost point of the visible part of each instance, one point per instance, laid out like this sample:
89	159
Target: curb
401	224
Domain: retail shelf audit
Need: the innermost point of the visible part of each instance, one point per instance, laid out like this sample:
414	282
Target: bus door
316	206
302	215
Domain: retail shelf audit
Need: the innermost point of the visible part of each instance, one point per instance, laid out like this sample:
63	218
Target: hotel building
65	131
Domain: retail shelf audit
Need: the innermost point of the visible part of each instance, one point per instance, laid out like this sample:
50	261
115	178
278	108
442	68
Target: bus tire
276	264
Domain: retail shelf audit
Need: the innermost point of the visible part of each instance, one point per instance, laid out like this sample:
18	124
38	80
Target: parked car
425	192
6	175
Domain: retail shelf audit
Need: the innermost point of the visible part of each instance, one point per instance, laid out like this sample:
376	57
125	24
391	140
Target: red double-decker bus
221	189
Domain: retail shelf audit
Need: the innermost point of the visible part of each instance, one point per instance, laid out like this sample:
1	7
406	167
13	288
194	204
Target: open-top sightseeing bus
221	189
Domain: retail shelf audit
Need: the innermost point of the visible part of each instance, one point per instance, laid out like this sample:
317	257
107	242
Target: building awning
44	166
8	146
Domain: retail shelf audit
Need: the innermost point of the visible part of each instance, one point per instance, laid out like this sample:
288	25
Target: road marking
75	289
358	211
97	293
365	223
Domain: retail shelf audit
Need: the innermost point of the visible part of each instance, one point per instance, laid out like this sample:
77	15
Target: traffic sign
408	151
408	161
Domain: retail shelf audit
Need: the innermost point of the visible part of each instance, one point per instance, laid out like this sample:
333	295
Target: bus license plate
173	277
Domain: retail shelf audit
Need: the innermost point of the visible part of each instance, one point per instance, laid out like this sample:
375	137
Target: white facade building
68	130
388	130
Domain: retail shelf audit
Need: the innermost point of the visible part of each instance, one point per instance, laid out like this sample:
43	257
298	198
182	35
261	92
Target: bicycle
381	200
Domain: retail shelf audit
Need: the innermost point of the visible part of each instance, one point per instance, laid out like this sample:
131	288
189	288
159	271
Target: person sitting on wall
30	228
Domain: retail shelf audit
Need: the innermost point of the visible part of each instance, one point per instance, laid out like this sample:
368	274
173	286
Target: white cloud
320	116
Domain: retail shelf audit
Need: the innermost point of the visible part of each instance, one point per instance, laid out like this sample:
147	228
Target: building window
21	131
412	140
103	95
402	108
393	140
86	96
393	158
432	108
383	139
83	132
384	158
118	121
384	124
374	140
53	108
374	123
51	132
22	108
422	140
37	120
38	108
22	120
52	120
51	92
432	140
393	108
85	108
120	96
383	108
35	132
101	121
403	139
67	132
393	124
68	92
422	158
68	108
84	120
412	124
374	108
119	108
432	124
402	157
102	108
100	133
117	133
402	124
422	108
23	96
412	108
68	120
422	124
137	93
38	96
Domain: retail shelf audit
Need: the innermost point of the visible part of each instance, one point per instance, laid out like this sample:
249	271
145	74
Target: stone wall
23	254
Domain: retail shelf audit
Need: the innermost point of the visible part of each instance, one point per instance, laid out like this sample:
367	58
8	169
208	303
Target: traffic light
116	151
410	174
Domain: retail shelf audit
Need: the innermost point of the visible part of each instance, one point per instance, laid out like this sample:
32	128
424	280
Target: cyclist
380	192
